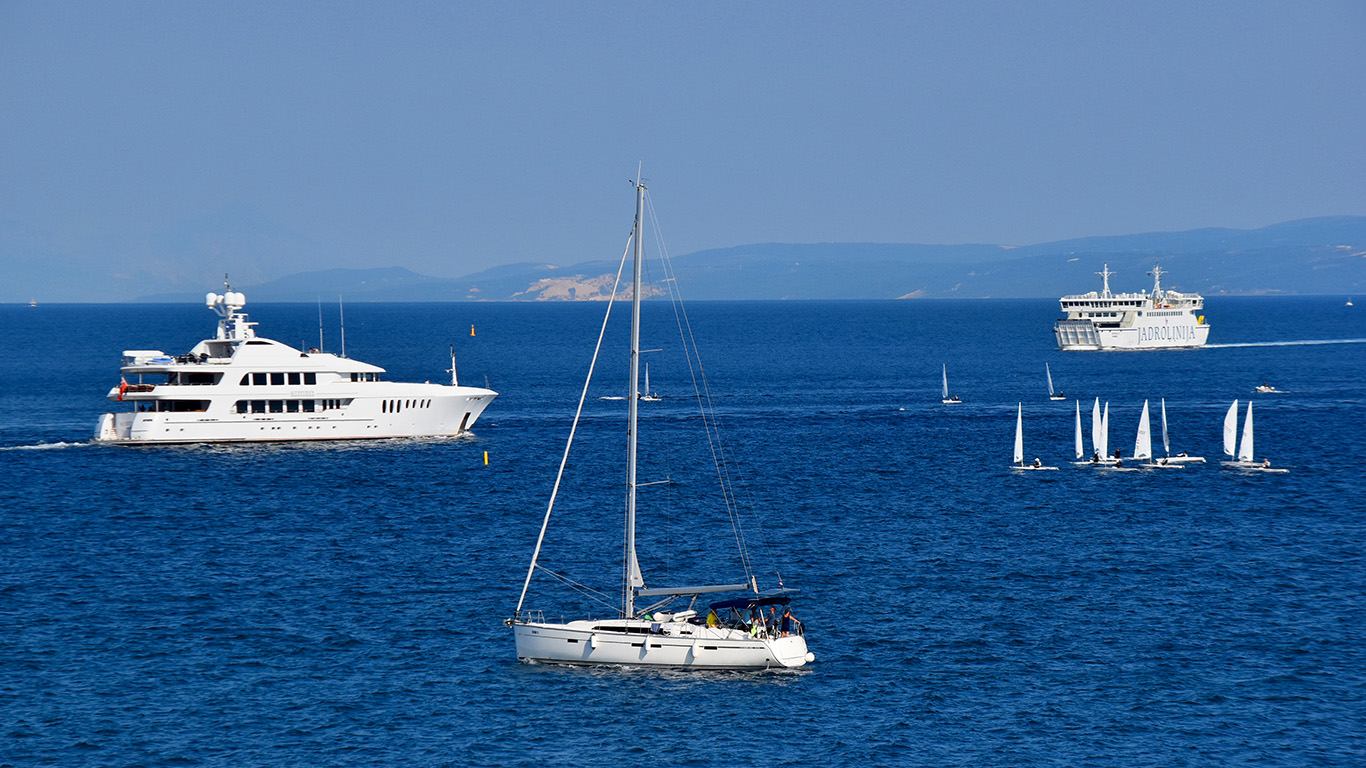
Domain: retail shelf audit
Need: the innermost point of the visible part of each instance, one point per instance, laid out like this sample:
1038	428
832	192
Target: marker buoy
471	329
486	458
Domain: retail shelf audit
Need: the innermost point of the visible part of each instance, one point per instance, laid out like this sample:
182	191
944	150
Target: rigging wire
706	404
583	589
564	459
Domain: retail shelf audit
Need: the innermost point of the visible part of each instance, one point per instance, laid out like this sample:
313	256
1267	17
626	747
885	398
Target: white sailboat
1100	455
1245	459
1018	457
1079	448
1182	457
668	632
946	398
1143	444
648	395
1052	395
1114	463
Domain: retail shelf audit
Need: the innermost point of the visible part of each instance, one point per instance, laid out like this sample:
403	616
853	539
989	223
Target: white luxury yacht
670	627
1158	320
238	387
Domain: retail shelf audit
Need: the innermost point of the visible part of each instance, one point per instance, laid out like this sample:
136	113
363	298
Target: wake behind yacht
239	387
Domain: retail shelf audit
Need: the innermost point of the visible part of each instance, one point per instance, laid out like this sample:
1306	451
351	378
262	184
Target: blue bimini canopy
741	603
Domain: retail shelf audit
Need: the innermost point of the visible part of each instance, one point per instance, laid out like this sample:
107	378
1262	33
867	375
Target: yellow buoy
486	458
471	329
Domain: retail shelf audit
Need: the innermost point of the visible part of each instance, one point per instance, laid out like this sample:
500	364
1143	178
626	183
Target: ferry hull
1075	336
706	649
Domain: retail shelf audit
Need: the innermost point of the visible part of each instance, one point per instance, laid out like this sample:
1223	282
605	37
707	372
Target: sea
343	604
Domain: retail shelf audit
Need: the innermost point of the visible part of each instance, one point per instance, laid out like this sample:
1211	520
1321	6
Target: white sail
1019	433
946	381
1143	443
1105	432
1166	444
1231	429
1097	445
1049	374
647	379
1081	449
1245	445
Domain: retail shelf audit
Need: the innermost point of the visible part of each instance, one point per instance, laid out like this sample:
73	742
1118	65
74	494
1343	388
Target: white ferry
238	387
1157	320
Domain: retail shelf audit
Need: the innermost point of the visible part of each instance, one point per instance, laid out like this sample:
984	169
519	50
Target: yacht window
241	406
258	406
310	378
292	406
384	406
294	379
258	379
354	377
246	380
278	379
277	406
308	406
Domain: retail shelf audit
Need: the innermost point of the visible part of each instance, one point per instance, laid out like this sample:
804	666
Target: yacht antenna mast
320	324
632	577
454	381
341	313
1105	275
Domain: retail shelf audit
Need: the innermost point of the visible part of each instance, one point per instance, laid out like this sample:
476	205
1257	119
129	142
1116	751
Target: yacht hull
363	419
705	648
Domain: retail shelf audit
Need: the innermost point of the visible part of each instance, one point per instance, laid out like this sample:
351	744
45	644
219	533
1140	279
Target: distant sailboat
1143	444
648	395
1246	448
1180	458
1052	395
1100	455
1018	456
1349	302
948	399
1079	448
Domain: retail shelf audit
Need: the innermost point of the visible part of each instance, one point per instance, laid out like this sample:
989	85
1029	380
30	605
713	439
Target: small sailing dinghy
1245	459
1051	394
1182	457
668	631
946	398
1143	444
1100	437
648	395
1019	444
1079	448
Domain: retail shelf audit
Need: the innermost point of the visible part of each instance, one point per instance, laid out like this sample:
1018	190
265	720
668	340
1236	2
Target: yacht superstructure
238	387
1161	319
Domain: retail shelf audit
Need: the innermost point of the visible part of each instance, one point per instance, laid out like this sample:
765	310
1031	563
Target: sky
149	147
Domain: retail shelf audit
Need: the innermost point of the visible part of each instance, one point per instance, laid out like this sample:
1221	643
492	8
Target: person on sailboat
788	619
1037	462
1266	463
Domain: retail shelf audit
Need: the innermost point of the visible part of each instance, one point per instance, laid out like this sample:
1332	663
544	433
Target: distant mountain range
1308	256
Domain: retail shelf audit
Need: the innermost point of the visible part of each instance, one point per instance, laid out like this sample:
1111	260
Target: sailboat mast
632	570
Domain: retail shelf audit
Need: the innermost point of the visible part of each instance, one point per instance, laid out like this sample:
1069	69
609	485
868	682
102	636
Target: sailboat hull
1185	459
674	645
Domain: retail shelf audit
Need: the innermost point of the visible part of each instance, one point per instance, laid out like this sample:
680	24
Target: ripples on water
342	603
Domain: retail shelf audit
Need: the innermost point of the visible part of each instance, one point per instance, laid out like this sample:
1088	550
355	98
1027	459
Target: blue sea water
343	604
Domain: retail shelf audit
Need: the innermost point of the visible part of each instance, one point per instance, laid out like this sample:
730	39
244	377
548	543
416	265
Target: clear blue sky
150	146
